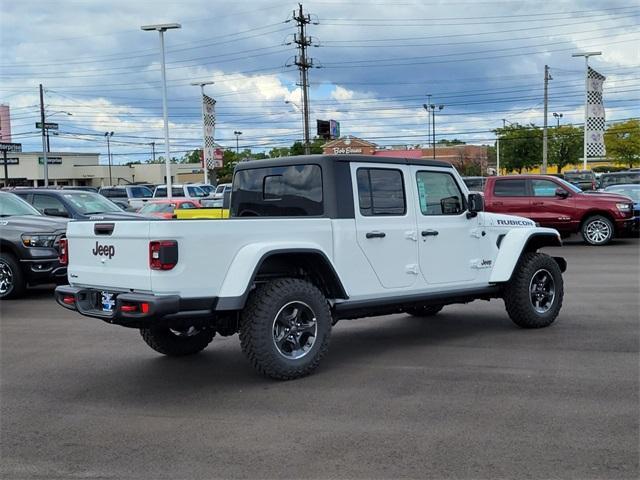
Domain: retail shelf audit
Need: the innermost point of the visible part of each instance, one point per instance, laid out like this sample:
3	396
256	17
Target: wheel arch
6	246
518	242
593	213
311	263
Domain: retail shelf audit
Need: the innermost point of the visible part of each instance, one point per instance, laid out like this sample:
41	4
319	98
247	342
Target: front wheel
533	296
285	328
12	282
597	230
177	342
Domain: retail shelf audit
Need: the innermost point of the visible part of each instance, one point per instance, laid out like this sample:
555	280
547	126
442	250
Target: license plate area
106	301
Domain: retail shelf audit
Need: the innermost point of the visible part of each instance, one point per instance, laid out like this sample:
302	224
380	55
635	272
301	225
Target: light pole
237	134
161	28
296	106
586	56
558	117
504	124
204	131
432	107
47	130
108	136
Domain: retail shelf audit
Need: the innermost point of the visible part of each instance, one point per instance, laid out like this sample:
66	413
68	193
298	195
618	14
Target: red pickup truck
553	202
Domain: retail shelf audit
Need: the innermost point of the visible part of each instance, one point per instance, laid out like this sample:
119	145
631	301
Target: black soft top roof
324	159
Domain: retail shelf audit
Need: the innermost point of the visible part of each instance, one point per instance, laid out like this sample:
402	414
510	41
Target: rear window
608	179
578	177
113	192
140	192
157	208
161	192
293	191
510	188
196	192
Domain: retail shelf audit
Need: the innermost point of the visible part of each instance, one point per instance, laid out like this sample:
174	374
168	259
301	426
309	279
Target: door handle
498	203
429	233
537	203
376	235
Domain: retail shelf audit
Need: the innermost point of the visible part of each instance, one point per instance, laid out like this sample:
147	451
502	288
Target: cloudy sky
377	62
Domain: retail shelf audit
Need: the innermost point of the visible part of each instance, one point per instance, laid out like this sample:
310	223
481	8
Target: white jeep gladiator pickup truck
311	240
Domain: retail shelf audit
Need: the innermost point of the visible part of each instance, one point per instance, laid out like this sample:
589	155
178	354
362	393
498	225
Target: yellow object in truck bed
209	213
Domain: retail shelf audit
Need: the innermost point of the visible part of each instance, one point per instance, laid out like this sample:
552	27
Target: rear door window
381	192
510	188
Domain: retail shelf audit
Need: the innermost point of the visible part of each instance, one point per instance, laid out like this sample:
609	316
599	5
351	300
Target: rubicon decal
527	223
104	250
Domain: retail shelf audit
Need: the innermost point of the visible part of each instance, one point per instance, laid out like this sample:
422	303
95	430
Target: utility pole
44	140
153	151
547	77
304	64
586	56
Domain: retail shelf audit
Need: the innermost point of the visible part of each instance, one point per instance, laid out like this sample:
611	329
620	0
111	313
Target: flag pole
586	56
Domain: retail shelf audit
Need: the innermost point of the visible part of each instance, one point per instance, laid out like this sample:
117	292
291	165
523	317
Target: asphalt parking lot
463	395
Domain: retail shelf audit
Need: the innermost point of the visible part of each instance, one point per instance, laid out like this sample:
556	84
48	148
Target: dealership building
84	169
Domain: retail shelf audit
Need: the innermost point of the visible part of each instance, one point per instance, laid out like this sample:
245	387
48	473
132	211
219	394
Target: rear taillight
63	256
69	300
163	254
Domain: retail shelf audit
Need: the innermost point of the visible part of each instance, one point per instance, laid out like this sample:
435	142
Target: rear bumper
165	310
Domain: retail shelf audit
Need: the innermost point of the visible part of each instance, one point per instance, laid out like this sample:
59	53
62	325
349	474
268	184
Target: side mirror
54	212
562	193
475	202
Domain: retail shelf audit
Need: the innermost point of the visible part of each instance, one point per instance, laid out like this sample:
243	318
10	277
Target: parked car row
553	202
586	180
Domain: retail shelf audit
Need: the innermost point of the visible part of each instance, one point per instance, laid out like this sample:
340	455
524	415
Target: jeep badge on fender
104	250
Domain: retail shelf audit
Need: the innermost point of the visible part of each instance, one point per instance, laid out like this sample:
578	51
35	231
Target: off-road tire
517	295
164	341
257	328
18	284
595	220
424	310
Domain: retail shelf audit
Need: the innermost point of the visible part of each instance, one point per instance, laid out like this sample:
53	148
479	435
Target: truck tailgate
118	260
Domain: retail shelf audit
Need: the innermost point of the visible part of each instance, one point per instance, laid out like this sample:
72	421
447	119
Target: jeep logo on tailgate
106	250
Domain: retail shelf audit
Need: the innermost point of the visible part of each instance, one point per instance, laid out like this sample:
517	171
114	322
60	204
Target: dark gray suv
29	247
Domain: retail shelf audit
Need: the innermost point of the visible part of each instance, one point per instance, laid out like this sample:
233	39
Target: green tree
195	156
520	147
279	152
316	147
455	141
623	143
565	146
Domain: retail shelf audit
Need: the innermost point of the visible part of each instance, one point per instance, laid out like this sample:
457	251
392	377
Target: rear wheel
424	310
597	230
12	282
177	342
533	296
285	328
